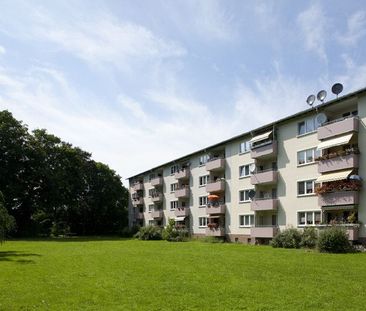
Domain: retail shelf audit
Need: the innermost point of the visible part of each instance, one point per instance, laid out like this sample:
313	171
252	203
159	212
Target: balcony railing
156	198
259	204
215	231
157	182
263	232
264	177
215	164
338	163
182	192
338	127
181	212
137	201
218	186
182	174
212	210
338	198
138	187
268	150
157	214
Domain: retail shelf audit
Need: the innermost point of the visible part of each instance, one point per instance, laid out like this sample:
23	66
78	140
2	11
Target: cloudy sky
138	83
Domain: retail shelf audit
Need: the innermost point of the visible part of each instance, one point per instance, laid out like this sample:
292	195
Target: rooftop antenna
310	100
337	89
321	95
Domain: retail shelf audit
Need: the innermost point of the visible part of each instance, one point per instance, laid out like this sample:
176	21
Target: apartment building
303	170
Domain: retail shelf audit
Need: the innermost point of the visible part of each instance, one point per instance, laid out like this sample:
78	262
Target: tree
7	222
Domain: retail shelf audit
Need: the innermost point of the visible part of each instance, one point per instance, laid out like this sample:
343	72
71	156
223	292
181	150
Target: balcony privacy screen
334	176
339	141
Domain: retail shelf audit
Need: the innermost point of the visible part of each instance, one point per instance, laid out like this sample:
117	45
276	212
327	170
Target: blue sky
138	83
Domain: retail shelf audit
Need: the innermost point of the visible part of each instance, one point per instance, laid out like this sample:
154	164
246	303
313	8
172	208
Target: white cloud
2	50
133	106
356	29
313	24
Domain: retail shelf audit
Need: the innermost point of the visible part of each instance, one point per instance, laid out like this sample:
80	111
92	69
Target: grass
82	274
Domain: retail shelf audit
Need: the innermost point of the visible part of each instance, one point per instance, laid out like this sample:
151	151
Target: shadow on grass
17	257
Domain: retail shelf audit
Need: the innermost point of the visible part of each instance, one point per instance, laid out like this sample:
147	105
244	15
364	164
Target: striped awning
334	176
260	137
338	141
180	218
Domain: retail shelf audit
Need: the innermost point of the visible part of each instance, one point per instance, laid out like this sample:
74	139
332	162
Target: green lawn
158	275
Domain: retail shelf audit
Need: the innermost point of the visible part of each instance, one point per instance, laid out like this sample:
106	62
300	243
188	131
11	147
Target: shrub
289	238
129	232
174	234
149	233
334	240
7	222
211	239
309	237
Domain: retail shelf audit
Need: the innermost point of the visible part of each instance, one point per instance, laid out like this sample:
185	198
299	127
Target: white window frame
204	159
173	205
174	169
305	187
306	122
246	192
150	208
202	222
202	199
150	190
248	220
246	147
203	178
315	153
173	187
244	167
312	212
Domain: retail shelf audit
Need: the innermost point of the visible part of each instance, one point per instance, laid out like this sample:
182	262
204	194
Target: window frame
202	224
174	169
202	198
245	194
314	152
173	205
306	122
306	181
246	144
205	178
203	159
313	213
173	187
246	224
244	166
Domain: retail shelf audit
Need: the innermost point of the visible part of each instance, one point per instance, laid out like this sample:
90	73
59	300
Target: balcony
137	201
339	198
218	186
157	182
263	232
181	212
352	233
264	151
338	127
215	231
215	165
139	216
264	178
138	187
157	198
157	214
338	163
182	193
264	205
182	174
212	210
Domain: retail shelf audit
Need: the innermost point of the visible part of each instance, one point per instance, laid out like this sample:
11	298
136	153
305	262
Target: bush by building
288	238
334	240
149	233
309	237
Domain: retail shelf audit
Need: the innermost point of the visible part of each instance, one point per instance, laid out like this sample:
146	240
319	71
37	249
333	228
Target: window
152	192
173	187
203	180
204	159
244	171
246	220
173	205
203	201
244	196
202	221
305	187
151	176
150	208
244	146
310	218
307	126
151	222
174	169
350	114
307	156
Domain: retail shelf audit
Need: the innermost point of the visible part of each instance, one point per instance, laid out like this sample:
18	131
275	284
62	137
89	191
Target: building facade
304	170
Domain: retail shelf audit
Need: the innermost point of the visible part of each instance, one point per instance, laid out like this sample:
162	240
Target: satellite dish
321	95
310	100
251	194
337	89
252	168
321	118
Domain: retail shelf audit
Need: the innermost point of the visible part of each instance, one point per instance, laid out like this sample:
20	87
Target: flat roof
298	114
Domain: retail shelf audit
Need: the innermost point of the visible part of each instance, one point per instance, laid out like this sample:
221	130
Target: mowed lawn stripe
157	275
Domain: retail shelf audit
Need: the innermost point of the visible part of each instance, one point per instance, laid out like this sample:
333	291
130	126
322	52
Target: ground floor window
202	221
246	220
309	218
